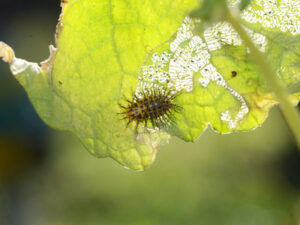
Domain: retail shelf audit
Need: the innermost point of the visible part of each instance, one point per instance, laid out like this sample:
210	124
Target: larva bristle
153	107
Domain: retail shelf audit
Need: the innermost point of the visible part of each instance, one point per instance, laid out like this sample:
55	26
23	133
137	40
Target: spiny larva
155	106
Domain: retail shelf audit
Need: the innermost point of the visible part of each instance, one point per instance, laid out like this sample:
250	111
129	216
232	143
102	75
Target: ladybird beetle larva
155	106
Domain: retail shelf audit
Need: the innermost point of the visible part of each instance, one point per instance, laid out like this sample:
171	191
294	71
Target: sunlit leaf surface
109	49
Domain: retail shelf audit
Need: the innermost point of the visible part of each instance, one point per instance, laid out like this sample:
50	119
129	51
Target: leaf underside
109	49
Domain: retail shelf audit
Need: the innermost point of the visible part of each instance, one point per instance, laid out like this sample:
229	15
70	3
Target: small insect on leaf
155	106
233	74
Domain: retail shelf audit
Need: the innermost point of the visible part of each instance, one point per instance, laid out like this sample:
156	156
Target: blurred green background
48	178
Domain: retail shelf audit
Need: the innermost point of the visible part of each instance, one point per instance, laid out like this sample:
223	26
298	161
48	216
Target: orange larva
155	106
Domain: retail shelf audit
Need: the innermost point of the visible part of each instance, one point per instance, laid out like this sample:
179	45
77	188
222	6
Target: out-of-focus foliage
232	179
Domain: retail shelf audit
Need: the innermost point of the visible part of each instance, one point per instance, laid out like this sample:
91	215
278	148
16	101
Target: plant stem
289	112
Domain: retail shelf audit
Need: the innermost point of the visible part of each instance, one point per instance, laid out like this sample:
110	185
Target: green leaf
210	10
101	47
107	49
224	88
243	4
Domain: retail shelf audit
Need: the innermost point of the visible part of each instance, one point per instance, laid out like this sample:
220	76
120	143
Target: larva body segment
155	107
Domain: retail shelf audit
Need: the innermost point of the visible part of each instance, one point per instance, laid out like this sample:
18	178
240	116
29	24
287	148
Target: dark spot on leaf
233	74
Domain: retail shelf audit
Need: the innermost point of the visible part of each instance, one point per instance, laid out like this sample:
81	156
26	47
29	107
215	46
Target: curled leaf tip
6	52
48	63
